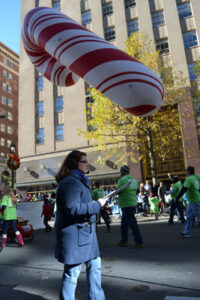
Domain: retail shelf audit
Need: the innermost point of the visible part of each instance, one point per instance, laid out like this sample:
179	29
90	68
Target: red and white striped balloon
63	50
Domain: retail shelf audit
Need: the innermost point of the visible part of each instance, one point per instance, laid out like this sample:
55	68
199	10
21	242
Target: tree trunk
152	158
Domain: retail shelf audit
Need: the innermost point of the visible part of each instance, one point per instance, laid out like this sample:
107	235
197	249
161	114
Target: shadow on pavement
11	292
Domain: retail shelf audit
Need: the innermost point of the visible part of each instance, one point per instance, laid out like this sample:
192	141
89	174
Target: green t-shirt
192	183
154	204
98	193
127	197
176	188
10	212
1	216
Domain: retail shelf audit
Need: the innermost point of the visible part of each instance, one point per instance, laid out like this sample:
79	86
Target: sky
10	25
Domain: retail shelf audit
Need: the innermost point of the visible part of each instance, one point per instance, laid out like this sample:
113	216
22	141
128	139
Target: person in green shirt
97	194
154	201
176	205
127	202
1	212
9	207
191	187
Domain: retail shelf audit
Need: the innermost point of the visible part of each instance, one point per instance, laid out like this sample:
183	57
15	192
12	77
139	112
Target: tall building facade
49	115
9	83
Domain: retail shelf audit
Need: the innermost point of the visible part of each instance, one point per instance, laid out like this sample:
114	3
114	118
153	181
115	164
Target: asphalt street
167	266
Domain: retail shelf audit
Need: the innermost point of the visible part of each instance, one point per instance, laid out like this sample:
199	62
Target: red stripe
57	70
140	110
35	54
26	23
59	74
39	62
90	60
79	42
69	80
49	68
47	33
132	80
48	17
126	73
72	38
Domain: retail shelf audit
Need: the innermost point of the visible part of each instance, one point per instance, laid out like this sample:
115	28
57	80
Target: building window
109	33
40	136
3	142
4	87
133	26
130	3
162	46
158	18
3	128
10	102
9	130
10	64
56	4
59	104
4	74
107	9
10	76
86	17
10	116
190	38
40	108
40	83
2	155
3	100
191	67
10	89
184	10
60	132
5	61
9	142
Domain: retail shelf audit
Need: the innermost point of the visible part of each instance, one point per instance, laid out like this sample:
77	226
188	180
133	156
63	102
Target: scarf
82	176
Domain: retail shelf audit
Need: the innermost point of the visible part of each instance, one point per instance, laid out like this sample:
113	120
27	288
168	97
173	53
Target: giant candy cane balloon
62	50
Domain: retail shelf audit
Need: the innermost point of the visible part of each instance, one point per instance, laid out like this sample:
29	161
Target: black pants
46	220
106	217
173	206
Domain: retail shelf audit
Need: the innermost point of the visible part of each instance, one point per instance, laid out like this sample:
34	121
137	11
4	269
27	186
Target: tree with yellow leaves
115	131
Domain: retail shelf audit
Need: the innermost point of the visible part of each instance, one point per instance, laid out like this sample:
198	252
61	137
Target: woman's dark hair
70	163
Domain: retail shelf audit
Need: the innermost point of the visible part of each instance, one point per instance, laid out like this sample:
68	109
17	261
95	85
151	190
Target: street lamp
12	148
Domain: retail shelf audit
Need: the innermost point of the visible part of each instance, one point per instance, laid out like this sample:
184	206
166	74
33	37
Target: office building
49	115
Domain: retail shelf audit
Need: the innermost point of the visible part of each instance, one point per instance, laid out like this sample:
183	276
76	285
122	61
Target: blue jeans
11	223
193	210
129	220
70	277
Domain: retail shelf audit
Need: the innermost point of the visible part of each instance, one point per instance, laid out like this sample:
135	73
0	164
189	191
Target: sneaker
121	244
138	246
184	235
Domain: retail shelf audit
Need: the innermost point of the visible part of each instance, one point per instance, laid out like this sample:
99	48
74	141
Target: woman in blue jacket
76	240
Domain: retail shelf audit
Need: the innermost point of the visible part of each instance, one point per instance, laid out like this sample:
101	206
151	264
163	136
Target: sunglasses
83	161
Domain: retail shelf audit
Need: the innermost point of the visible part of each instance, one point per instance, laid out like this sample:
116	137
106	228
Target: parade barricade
31	211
